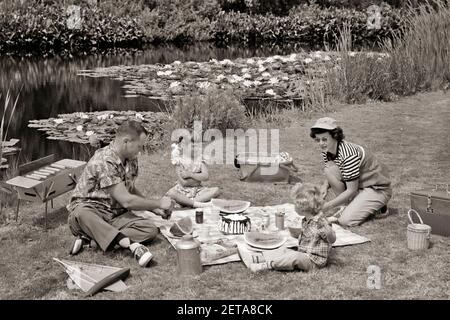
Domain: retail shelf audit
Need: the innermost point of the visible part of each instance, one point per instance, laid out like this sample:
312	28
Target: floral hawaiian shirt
104	170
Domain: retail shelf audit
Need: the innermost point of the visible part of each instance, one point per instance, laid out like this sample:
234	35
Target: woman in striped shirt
359	181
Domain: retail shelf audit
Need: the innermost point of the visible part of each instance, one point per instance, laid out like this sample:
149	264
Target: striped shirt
348	159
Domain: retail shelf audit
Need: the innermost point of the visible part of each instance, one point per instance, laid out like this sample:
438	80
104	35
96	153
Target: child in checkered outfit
315	240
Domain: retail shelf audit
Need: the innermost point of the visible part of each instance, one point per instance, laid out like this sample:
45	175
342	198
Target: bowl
295	231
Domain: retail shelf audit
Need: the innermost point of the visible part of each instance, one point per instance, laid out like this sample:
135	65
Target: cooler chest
434	209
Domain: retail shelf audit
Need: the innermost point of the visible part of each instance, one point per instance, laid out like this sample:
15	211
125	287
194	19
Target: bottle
265	221
188	253
279	219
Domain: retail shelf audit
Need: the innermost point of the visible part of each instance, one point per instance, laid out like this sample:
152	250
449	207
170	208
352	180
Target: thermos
188	252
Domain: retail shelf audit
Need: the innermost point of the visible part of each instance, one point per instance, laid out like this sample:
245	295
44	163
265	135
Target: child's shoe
258	267
141	254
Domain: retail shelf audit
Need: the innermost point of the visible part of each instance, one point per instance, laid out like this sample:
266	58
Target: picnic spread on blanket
218	247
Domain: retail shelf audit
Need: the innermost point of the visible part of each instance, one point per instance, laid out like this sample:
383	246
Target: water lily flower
352	53
176	62
237	78
317	55
80	128
226	61
246	76
266	74
271	92
89	133
203	85
139	116
273	80
58	121
285	78
103	116
231	80
164	73
220	77
82	115
261	69
167	66
307	60
250	61
326	58
260	62
213	60
174	84
256	83
247	83
293	56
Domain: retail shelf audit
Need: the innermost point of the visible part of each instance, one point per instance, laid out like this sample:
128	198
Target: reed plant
6	170
420	51
414	59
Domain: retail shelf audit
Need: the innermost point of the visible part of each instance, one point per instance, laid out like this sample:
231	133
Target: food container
234	224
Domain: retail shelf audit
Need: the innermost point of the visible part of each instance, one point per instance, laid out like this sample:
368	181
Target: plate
263	240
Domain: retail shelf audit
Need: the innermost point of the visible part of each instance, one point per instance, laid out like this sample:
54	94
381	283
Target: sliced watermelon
182	227
230	206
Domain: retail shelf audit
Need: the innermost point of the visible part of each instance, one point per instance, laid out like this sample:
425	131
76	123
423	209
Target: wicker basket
418	234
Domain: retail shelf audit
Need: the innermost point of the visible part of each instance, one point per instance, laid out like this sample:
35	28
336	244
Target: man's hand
166	203
165	214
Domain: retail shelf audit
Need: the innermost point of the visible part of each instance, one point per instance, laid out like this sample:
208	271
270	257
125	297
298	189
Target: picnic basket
418	234
258	167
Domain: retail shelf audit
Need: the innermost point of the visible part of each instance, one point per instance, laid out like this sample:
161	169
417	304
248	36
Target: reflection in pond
49	87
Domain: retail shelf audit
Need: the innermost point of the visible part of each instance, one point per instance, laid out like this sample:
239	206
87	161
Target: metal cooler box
434	209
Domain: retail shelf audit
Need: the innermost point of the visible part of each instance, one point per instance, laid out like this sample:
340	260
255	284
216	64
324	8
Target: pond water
51	86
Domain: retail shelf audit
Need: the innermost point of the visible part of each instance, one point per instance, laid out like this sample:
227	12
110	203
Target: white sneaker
141	254
258	267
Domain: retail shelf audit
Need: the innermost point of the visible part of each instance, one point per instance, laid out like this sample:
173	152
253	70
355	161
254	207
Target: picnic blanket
218	248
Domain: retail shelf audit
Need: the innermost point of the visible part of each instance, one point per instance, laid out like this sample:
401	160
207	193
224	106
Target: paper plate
264	240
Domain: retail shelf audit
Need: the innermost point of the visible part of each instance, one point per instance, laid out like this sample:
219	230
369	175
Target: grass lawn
410	136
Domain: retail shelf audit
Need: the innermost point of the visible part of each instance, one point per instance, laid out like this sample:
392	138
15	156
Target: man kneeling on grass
101	204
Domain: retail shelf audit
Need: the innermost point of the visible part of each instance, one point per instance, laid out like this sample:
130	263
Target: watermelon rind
182	227
230	206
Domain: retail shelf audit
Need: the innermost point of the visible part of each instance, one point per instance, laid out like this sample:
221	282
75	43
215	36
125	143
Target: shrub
307	24
217	109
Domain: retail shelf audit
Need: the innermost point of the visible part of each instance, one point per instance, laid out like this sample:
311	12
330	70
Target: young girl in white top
192	172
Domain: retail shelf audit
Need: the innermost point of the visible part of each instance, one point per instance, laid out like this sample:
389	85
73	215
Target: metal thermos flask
188	252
